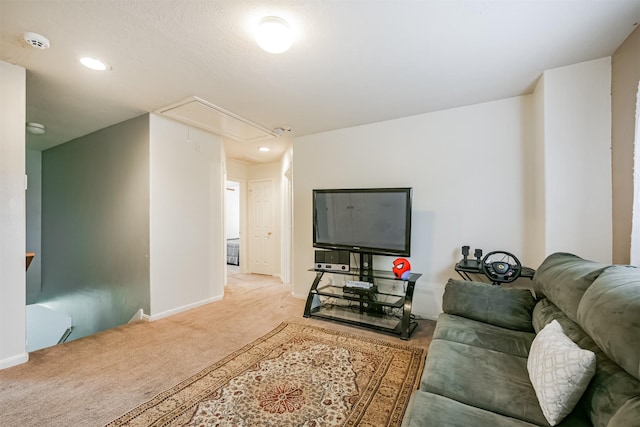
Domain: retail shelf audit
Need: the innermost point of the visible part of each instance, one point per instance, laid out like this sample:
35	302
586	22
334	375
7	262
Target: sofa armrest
506	307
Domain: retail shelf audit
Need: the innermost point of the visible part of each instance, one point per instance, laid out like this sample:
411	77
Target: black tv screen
367	220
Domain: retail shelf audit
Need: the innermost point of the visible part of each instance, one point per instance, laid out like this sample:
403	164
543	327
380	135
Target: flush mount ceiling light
264	149
274	34
94	64
35	128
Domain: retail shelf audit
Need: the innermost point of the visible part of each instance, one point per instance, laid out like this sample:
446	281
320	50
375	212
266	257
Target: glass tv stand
384	307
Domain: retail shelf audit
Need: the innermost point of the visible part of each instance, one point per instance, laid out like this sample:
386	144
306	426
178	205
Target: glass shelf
386	307
377	274
375	296
352	314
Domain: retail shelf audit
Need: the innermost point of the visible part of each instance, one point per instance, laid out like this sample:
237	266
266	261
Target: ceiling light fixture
274	34
264	149
94	64
35	128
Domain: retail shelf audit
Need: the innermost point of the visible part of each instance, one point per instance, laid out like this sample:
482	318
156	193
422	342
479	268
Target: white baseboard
426	316
177	310
14	360
139	315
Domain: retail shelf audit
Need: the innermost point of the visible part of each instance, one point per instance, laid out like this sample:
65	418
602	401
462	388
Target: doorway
232	226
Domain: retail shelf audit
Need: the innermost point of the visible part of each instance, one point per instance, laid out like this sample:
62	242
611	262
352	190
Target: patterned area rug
294	376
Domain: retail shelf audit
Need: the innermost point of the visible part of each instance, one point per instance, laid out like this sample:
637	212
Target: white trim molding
187	307
18	359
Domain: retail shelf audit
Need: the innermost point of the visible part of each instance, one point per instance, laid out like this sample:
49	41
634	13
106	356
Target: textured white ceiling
353	62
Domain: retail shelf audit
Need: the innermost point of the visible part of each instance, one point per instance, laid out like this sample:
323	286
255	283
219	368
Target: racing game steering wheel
501	267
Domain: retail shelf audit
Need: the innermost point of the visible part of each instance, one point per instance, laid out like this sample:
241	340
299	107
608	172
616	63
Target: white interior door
261	227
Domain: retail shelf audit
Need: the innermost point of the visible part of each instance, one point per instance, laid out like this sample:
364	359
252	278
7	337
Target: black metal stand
372	303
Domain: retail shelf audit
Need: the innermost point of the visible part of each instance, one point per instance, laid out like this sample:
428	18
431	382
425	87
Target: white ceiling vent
205	115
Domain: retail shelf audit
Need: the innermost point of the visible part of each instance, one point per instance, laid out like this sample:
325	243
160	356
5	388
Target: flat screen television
366	220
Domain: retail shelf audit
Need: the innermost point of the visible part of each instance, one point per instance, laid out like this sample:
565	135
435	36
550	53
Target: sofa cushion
467	331
611	387
563	278
559	371
545	312
628	415
483	378
507	307
428	409
610	313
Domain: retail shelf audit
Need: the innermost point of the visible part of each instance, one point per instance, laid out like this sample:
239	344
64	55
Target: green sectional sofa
577	340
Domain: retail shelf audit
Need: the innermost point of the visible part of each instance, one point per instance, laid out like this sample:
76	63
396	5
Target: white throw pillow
559	370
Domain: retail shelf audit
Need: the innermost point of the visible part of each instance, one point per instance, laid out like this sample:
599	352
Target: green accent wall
95	227
34	222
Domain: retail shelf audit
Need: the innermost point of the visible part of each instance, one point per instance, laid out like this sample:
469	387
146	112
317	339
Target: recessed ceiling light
94	64
264	149
274	34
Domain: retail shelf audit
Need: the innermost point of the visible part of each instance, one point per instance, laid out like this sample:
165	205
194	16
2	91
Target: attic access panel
205	115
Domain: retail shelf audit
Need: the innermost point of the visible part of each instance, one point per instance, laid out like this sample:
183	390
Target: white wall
577	159
237	171
186	217
12	215
286	220
466	169
530	175
535	214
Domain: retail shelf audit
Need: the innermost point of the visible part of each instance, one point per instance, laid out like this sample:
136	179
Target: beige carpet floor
93	380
